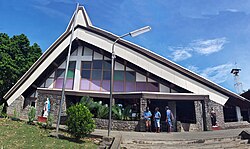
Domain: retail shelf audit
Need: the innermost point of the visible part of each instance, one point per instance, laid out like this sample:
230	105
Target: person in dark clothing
213	117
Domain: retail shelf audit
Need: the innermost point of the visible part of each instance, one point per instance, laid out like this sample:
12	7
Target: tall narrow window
130	81
96	75
106	75
85	75
70	76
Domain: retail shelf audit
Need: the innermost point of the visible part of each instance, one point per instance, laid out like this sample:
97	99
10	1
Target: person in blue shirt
157	119
147	117
169	119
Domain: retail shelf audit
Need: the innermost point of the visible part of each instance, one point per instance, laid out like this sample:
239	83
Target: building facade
141	78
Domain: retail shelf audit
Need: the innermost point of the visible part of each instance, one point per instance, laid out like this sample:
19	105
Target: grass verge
18	134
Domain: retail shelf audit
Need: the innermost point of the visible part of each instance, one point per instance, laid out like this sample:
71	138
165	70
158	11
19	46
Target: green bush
49	121
103	112
32	114
1	110
79	121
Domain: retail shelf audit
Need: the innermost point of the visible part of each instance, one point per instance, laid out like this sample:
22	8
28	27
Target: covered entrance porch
188	109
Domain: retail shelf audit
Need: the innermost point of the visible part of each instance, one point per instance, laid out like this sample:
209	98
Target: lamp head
140	31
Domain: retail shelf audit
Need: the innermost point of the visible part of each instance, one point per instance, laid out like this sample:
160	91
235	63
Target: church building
141	78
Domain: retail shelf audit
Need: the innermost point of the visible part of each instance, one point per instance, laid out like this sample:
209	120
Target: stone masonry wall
16	105
219	113
198	113
143	105
54	104
117	124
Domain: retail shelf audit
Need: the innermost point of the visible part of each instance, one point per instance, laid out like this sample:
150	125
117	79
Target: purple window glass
153	87
59	83
105	85
130	86
69	84
118	86
141	86
95	85
84	84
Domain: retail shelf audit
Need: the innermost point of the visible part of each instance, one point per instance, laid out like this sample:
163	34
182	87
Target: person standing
169	119
213	117
157	118
147	116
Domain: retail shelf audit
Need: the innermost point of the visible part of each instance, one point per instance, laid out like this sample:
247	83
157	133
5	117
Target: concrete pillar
238	114
143	105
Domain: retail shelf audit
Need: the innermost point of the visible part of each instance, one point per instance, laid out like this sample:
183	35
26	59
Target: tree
16	57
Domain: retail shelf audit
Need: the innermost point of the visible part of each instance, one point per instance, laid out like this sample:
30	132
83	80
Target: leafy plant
31	114
1	110
15	115
117	112
126	113
103	112
79	121
49	121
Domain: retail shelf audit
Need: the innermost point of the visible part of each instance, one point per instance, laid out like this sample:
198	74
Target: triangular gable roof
142	57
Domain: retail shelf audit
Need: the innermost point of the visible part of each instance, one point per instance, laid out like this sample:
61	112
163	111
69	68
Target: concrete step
234	142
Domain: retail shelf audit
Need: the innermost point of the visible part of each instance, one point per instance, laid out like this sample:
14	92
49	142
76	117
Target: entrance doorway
161	104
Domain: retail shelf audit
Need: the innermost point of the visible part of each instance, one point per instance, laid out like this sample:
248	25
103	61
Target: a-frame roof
156	64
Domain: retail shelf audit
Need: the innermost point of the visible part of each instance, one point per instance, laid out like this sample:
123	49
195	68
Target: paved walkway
207	139
174	136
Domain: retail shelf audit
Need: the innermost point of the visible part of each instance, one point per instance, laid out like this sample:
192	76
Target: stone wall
219	113
198	113
117	124
16	105
54	98
143	105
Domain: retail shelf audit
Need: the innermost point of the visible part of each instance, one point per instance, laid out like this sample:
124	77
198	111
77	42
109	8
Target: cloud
203	47
217	74
193	68
179	55
50	12
206	47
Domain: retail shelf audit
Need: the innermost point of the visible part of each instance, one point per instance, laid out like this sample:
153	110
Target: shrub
15	116
102	112
79	121
49	121
1	110
126	113
31	114
117	112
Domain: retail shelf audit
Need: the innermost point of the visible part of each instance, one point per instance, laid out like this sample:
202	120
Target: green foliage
16	57
2	114
91	105
1	108
32	114
19	135
49	121
117	112
79	121
16	114
103	112
126	113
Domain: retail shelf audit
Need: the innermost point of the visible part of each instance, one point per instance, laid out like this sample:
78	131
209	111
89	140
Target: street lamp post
66	71
132	34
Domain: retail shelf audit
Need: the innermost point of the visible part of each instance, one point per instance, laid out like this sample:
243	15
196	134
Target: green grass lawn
15	134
